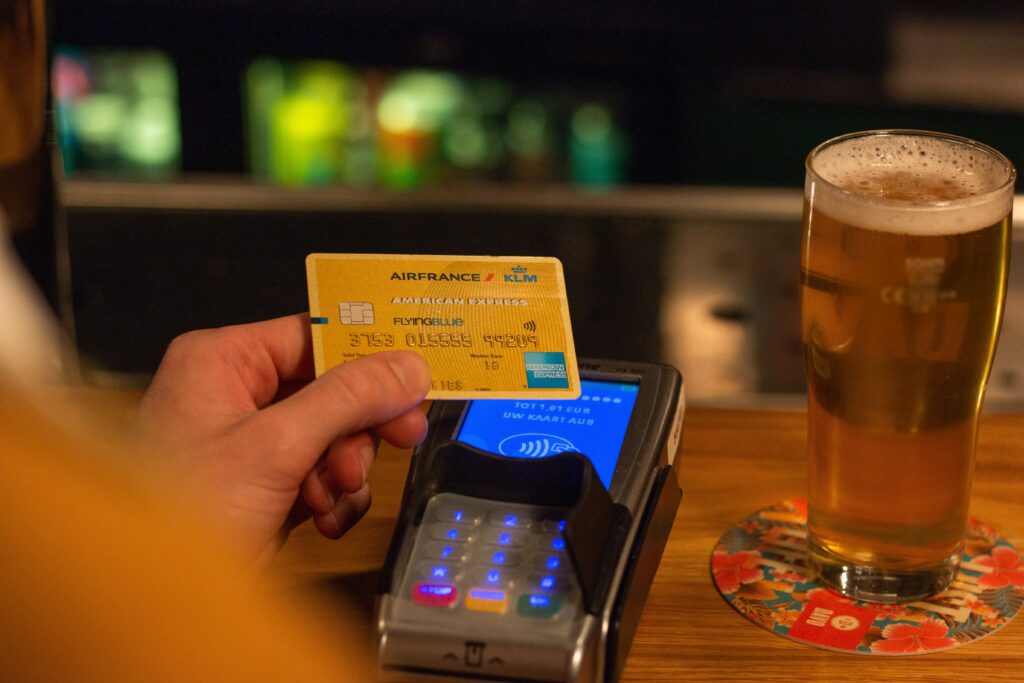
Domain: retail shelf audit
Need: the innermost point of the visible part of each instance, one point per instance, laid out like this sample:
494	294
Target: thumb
349	398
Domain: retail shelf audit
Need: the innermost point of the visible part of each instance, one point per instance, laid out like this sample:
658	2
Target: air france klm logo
519	274
441	277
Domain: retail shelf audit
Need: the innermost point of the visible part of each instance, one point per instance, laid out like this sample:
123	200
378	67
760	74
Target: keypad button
458	514
552	562
553	525
487	600
549	583
435	594
502	558
539	605
450	552
490	577
510	520
437	571
552	543
507	538
453	533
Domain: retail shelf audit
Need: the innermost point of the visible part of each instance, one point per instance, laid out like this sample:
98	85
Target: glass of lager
904	260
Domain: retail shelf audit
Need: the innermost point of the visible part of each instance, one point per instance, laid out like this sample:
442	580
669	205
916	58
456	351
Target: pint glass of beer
904	261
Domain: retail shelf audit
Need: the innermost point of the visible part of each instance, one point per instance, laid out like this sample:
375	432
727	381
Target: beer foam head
910	183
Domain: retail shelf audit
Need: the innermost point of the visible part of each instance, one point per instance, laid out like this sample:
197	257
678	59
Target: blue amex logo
545	370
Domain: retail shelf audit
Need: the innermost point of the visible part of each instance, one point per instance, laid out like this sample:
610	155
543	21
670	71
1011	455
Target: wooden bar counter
731	464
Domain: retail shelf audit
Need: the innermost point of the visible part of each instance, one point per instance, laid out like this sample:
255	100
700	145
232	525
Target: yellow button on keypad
487	600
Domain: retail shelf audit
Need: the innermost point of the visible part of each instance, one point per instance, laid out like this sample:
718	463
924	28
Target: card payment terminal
530	531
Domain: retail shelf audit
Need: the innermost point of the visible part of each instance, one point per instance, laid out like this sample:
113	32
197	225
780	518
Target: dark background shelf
729	93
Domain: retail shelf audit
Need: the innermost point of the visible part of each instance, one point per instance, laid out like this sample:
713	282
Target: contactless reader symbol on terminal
356	312
535	445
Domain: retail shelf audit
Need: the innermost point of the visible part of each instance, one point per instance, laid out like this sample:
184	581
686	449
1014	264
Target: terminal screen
593	424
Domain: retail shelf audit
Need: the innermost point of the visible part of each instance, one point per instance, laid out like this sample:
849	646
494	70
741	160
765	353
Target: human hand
239	411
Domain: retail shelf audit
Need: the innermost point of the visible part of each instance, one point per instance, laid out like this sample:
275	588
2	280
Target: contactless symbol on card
490	327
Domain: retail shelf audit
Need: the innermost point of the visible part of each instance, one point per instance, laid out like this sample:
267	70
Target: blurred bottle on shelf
532	141
315	123
117	112
597	149
298	117
264	87
414	108
359	140
472	141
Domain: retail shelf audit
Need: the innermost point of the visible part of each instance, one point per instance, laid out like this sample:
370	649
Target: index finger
357	395
289	341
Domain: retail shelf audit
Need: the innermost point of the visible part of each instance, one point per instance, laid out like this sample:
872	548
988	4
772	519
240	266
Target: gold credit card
489	326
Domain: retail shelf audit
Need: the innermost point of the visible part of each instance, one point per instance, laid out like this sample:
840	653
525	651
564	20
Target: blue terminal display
593	424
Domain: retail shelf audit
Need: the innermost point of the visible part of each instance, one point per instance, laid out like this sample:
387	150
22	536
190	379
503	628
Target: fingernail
328	484
333	517
367	454
411	370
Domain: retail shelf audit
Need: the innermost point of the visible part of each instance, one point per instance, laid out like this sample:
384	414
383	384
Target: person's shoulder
99	558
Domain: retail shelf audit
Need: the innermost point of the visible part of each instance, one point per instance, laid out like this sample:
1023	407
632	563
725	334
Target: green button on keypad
534	605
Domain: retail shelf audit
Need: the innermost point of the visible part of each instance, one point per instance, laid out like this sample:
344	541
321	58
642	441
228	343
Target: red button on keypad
435	594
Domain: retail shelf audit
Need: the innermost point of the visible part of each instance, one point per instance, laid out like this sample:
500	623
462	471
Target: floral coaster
759	567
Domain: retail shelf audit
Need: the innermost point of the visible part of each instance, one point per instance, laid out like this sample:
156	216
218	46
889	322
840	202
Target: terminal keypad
491	558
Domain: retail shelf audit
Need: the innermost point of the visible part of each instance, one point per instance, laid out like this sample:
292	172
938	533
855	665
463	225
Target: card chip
356	313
